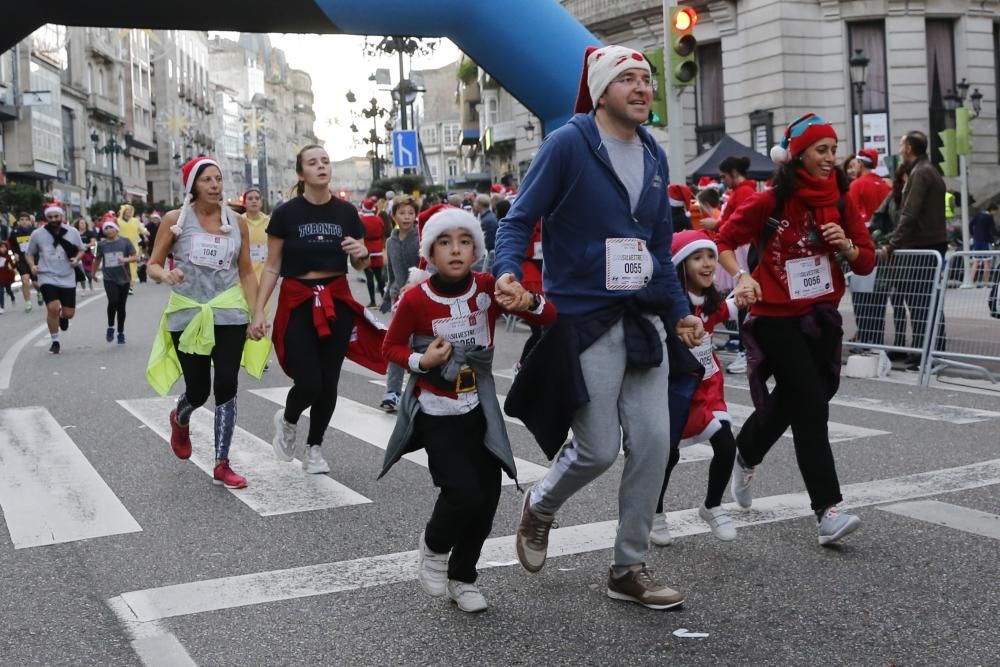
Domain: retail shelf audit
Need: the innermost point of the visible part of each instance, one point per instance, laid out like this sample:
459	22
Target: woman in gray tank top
212	267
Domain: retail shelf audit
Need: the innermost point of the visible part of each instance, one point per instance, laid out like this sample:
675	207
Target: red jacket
365	346
868	192
531	267
708	405
374	239
422	310
798	238
737	197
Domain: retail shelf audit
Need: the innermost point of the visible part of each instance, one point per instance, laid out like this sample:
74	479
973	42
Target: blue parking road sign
404	149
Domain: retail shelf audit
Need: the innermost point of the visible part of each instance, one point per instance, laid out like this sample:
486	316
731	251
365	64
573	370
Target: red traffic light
685	19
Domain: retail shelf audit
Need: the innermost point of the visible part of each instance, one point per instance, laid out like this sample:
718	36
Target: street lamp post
953	100
859	74
111	147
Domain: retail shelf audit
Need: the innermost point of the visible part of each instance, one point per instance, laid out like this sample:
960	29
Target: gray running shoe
638	585
284	437
466	596
740	484
313	461
660	534
432	570
835	524
532	536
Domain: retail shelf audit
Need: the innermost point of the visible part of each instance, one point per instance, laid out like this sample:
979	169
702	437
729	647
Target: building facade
439	121
763	63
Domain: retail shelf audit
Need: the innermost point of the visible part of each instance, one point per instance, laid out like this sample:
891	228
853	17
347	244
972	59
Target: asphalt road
206	578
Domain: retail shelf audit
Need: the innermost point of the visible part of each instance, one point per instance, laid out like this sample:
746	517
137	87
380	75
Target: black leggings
719	470
314	366
469	479
197	368
371	277
117	296
800	399
8	290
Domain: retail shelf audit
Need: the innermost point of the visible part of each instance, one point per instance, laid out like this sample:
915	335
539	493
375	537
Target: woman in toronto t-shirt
311	237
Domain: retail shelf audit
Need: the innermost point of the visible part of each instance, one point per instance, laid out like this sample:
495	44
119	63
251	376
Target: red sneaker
224	476
180	437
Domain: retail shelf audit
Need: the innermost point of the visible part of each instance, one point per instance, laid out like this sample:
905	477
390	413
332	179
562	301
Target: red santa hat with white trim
189	174
54	206
600	67
686	243
446	219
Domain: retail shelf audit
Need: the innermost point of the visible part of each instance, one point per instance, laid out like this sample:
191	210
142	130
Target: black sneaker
109	335
121	337
54	348
63	323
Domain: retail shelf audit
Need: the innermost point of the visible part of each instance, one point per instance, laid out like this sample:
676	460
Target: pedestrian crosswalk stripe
322	579
275	487
838	432
948	515
374	427
929	411
49	491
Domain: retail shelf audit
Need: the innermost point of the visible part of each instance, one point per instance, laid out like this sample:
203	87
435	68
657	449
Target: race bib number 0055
628	264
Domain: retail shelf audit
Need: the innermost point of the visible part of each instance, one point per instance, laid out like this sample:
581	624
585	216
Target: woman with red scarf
311	238
804	226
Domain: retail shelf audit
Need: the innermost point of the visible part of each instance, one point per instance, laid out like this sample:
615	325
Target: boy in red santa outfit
375	244
695	256
443	332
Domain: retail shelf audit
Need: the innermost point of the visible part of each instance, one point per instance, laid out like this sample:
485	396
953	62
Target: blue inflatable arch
533	48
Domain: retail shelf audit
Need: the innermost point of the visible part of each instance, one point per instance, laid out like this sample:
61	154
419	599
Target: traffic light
963	133
949	153
658	109
682	46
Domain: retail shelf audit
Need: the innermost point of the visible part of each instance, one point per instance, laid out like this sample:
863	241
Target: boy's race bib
628	264
472	329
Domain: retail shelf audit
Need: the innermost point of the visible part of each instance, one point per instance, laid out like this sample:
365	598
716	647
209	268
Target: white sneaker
1	311
660	534
718	520
432	570
284	437
835	525
313	461
466	596
739	364
740	484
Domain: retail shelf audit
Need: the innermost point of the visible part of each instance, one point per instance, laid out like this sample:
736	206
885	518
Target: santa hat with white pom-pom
189	174
802	133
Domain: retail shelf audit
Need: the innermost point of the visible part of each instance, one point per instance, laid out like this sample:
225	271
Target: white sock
55	336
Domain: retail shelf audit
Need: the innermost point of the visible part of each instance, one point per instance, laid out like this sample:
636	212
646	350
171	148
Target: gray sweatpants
628	408
394	379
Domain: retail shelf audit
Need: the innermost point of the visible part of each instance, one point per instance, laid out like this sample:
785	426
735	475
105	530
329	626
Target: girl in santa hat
205	322
694	255
805	227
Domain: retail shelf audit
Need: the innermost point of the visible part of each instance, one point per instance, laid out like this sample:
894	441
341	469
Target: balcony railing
99	104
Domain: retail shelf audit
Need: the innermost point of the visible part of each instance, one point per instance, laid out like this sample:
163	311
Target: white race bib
628	264
705	356
472	329
538	250
211	251
809	277
258	252
24	245
112	259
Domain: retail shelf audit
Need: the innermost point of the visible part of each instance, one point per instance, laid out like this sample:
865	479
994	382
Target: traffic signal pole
675	110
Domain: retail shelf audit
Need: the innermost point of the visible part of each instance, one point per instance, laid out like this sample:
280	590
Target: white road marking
358	369
155	645
930	411
375	427
48	490
275	487
950	516
838	432
325	578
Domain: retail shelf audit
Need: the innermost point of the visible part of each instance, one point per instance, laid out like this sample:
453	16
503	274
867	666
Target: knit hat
446	219
54	206
868	157
600	67
800	135
368	205
688	242
189	173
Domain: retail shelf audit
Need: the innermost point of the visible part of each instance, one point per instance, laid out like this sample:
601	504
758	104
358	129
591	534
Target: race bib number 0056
628	264
809	277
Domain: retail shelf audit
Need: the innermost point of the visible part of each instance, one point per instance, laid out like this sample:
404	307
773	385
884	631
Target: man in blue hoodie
600	184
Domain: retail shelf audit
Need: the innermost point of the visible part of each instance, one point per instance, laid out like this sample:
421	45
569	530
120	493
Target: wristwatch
739	274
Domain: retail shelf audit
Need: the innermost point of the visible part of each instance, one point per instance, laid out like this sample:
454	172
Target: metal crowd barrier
967	320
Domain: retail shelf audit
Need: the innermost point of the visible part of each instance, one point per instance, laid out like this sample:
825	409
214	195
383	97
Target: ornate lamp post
859	74
111	147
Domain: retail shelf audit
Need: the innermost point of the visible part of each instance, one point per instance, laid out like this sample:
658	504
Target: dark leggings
469	479
197	368
117	296
8	290
723	456
372	276
314	366
800	399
